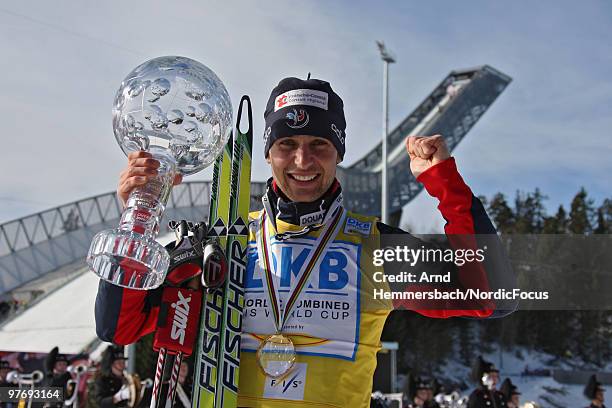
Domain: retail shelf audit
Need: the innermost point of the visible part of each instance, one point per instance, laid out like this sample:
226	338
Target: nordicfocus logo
299	117
181	314
307	97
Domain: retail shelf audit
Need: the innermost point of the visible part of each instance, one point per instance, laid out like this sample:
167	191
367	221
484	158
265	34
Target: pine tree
529	212
601	227
501	213
556	224
604	218
581	214
467	345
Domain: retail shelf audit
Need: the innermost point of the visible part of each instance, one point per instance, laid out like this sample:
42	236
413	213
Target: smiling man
309	338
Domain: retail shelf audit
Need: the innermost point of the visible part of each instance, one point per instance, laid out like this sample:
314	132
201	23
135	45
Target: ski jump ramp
34	246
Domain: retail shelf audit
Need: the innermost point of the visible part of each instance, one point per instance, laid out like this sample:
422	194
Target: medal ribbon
325	238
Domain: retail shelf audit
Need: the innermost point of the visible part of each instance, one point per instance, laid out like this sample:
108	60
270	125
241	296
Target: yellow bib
334	327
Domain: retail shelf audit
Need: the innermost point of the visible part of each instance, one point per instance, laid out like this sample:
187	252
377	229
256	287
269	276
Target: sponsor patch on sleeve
308	97
353	226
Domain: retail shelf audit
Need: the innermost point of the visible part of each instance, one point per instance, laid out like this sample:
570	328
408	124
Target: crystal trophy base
128	259
129	256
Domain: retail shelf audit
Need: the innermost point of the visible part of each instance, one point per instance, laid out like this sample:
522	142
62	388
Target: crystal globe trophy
178	110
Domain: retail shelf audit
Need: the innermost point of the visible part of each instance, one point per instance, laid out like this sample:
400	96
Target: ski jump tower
33	246
451	110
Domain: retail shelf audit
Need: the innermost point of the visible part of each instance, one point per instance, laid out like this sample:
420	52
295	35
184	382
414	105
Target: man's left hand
425	152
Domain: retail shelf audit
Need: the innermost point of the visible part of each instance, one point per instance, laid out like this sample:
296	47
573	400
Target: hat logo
282	101
267	134
299	117
338	132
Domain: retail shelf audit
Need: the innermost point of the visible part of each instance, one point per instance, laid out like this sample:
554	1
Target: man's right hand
141	168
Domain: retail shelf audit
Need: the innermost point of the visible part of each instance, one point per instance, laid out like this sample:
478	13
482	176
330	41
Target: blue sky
63	61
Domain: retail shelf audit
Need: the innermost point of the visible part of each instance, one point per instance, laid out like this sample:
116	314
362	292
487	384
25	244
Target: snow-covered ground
543	390
64	318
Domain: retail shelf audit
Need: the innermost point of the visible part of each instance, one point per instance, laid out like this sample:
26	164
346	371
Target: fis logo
292	382
291	388
355	226
179	321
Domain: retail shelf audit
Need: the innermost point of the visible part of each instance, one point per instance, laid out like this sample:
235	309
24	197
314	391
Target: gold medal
276	355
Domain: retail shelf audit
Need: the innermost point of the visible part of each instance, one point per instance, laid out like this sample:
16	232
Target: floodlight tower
387	58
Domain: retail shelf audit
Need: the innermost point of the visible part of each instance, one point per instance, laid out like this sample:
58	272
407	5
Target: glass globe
173	106
178	110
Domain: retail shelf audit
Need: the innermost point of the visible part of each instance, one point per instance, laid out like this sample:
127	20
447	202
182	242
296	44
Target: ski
236	253
207	346
218	346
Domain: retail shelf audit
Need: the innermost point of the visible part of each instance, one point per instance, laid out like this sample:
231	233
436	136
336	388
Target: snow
64	318
543	390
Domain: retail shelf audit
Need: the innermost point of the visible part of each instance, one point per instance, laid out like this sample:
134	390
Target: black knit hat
305	107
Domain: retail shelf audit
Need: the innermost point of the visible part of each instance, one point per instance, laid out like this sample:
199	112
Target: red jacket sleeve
465	216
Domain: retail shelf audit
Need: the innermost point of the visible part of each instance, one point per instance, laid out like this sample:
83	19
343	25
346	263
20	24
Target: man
594	392
511	394
329	329
184	386
56	374
485	395
420	393
5	368
111	389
